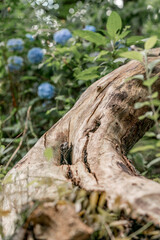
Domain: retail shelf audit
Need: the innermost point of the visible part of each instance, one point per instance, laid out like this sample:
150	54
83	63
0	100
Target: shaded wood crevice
126	142
69	174
85	153
66	153
45	140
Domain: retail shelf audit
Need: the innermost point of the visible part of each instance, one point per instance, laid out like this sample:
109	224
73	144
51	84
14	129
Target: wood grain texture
89	145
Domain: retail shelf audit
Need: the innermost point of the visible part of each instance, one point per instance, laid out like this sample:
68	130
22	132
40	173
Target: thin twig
23	135
109	232
141	230
13	140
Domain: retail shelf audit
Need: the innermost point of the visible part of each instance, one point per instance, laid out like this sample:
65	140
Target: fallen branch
90	144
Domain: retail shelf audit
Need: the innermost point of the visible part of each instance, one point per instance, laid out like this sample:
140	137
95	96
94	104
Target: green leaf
150	81
71	49
132	55
51	110
2	148
146	115
139	161
124	34
90	36
153	162
122	60
156	102
89	77
102	53
88	74
24	78
152	64
134	39
154	95
61	98
48	153
114	24
142	148
150	134
158	144
141	104
139	77
150	42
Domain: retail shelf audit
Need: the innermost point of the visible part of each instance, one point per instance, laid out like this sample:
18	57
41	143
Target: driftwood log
90	144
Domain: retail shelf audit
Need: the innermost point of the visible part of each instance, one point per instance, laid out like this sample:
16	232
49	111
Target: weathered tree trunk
89	145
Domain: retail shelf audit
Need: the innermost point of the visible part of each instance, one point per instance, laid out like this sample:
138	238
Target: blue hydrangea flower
30	37
121	46
15	63
46	91
62	36
35	55
15	44
90	28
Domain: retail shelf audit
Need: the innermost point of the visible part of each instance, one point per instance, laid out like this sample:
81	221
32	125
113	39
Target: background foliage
70	68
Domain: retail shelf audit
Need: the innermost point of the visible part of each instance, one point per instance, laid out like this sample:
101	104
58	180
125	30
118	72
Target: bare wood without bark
89	145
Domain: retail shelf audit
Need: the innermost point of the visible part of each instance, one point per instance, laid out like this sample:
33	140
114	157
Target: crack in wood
126	165
85	153
100	88
96	108
69	173
85	156
45	139
130	167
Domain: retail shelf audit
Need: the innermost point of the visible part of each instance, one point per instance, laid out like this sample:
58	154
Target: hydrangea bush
68	69
62	36
35	55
